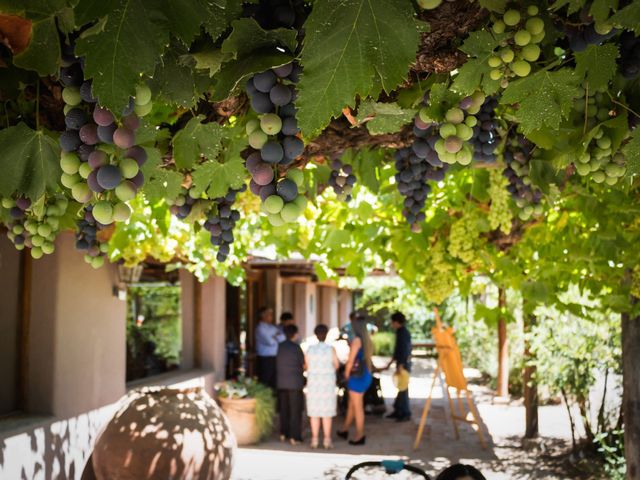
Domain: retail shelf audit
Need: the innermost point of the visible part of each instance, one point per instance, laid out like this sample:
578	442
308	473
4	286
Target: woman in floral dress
322	363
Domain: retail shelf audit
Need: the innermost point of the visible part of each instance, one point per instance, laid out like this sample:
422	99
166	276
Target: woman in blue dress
358	374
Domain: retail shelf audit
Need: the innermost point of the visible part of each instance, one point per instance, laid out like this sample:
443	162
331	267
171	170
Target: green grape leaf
349	44
33	8
627	17
86	11
441	98
600	9
250	49
234	72
43	52
30	162
185	18
475	71
631	153
544	98
573	5
366	166
381	118
163	184
196	139
542	174
247	36
494	5
217	178
210	60
133	39
176	80
597	64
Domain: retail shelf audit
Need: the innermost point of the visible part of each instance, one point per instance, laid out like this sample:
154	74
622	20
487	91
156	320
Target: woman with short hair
358	375
322	363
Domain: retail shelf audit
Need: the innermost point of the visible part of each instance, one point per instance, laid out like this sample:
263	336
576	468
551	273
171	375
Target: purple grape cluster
485	132
182	206
274	142
629	55
342	179
100	161
517	155
221	221
581	36
272	14
87	229
417	165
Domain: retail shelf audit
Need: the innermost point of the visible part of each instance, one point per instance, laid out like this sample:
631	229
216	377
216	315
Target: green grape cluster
598	160
439	275
429	4
454	144
463	238
524	30
34	225
500	215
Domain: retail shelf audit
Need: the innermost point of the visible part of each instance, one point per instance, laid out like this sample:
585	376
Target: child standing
290	380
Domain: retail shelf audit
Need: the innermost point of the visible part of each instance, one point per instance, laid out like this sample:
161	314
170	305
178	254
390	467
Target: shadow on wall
165	433
56	450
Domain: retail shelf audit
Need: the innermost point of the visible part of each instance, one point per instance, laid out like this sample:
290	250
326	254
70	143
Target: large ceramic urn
166	433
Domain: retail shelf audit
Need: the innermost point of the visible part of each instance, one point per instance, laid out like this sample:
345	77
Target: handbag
358	368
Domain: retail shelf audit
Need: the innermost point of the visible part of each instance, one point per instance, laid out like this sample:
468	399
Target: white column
329	306
274	291
345	306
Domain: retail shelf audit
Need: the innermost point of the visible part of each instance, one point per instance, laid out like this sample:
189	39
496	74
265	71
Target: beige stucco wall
77	361
77	340
213	336
9	298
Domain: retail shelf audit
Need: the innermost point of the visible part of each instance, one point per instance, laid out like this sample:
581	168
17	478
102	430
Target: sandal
314	443
326	443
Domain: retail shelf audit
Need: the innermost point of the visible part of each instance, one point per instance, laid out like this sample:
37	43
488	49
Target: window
154	328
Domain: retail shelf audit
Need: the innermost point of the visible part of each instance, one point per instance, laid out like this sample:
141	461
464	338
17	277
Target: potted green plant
250	408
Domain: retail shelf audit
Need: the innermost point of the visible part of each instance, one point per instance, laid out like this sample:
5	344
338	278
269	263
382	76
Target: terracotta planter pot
241	413
165	433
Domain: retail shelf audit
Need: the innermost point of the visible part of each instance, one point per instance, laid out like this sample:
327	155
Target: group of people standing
281	364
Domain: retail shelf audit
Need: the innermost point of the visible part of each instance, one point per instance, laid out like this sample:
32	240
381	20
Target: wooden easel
450	363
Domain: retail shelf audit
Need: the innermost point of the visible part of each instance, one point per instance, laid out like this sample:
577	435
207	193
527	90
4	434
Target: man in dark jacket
290	380
402	358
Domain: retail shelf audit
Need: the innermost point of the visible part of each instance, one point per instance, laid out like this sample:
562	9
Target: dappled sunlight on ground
502	460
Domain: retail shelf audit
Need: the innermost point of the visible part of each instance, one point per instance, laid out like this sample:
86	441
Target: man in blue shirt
402	358
267	336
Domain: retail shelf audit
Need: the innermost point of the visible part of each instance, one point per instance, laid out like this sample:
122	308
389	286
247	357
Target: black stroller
373	399
391	467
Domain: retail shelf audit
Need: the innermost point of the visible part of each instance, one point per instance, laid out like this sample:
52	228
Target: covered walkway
503	460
